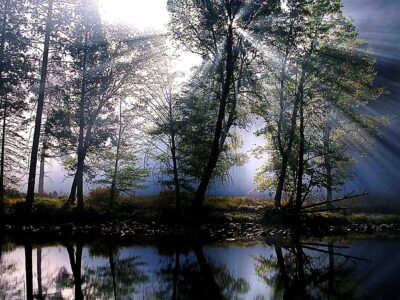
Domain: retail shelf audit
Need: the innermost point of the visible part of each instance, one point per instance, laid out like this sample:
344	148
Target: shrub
12	193
99	198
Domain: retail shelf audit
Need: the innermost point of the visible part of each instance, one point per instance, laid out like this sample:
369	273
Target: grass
237	203
162	207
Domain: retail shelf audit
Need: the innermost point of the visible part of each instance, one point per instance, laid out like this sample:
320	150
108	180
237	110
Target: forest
109	103
121	109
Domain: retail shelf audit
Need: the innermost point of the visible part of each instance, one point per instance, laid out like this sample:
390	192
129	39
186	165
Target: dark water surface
362	269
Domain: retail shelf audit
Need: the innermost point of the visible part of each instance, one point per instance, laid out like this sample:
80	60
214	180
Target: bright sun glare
142	14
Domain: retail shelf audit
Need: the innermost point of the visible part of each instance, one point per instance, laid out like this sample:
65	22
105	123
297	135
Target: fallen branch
349	196
323	210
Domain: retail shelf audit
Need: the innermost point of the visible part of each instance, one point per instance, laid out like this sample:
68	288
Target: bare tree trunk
81	151
28	271
3	141
114	179
72	193
41	169
215	149
176	176
300	166
2	43
30	194
328	164
288	151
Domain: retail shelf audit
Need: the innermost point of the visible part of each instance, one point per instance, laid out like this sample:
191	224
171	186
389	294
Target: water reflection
274	270
320	273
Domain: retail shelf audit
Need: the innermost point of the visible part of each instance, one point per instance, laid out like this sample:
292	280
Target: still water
362	269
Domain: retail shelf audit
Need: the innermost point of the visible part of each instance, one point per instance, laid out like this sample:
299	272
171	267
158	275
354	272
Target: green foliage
128	178
314	41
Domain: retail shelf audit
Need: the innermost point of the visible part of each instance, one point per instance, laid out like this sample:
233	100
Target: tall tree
15	70
159	97
212	29
40	104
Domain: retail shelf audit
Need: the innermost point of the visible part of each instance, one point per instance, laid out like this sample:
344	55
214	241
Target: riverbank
224	218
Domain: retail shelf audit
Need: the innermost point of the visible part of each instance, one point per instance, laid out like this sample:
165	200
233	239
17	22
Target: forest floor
223	218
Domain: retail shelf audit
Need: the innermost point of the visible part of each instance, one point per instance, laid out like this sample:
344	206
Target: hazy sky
142	14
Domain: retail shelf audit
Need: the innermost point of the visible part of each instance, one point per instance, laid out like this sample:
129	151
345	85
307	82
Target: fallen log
349	196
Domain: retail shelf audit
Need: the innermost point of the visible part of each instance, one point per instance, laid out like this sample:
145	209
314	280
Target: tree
106	63
118	163
159	99
15	70
321	49
40	103
212	29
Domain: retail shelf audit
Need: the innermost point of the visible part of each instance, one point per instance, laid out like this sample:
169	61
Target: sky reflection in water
365	269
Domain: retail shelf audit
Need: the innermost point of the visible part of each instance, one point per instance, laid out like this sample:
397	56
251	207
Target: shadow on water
278	269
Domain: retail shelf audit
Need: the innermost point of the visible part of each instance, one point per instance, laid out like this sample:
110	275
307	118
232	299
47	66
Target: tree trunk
328	164
81	151
300	166
72	193
215	149
288	150
3	141
79	179
28	271
2	43
30	194
41	169
176	176
114	179
39	272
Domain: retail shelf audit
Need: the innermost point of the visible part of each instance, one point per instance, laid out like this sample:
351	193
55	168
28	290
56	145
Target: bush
99	198
12	193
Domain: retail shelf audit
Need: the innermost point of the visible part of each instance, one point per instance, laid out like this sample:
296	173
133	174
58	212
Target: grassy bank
162	207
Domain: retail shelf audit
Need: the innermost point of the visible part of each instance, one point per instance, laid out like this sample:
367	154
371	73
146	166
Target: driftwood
348	196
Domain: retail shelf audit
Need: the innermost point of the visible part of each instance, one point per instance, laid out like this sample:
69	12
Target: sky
376	21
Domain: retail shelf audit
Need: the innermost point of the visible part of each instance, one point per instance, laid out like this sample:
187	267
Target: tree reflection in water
308	271
176	270
6	270
185	277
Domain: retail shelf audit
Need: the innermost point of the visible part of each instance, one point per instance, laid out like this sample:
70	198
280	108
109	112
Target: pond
103	269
